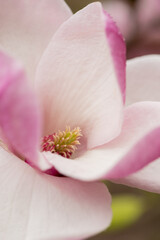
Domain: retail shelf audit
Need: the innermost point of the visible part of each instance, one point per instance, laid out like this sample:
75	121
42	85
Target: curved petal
118	51
143	79
26	27
77	81
38	206
19	113
147	178
137	145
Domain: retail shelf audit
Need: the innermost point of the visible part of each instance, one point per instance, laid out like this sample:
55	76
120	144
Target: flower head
77	68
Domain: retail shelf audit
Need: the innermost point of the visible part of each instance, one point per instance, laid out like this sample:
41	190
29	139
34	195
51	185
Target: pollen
63	143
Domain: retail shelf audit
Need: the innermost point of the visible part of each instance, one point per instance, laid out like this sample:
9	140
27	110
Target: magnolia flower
50	162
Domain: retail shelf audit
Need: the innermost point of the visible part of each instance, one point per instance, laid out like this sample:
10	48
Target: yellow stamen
63	143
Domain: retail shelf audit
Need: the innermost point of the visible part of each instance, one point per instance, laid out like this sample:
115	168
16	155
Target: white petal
143	79
34	205
78	78
147	178
26	27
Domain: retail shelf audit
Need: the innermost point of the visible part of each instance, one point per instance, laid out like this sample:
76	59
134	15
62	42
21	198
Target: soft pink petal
118	51
147	178
137	145
19	113
143	79
27	26
38	206
77	80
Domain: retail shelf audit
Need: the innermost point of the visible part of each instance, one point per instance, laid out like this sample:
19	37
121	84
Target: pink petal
147	178
143	79
19	113
118	51
76	79
137	145
142	131
38	206
26	27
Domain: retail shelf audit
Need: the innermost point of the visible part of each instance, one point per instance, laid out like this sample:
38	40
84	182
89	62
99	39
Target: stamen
64	143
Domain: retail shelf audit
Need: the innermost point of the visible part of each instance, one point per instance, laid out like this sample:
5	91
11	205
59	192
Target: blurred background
136	213
138	20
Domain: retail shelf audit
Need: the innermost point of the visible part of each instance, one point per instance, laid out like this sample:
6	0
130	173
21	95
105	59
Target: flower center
64	143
